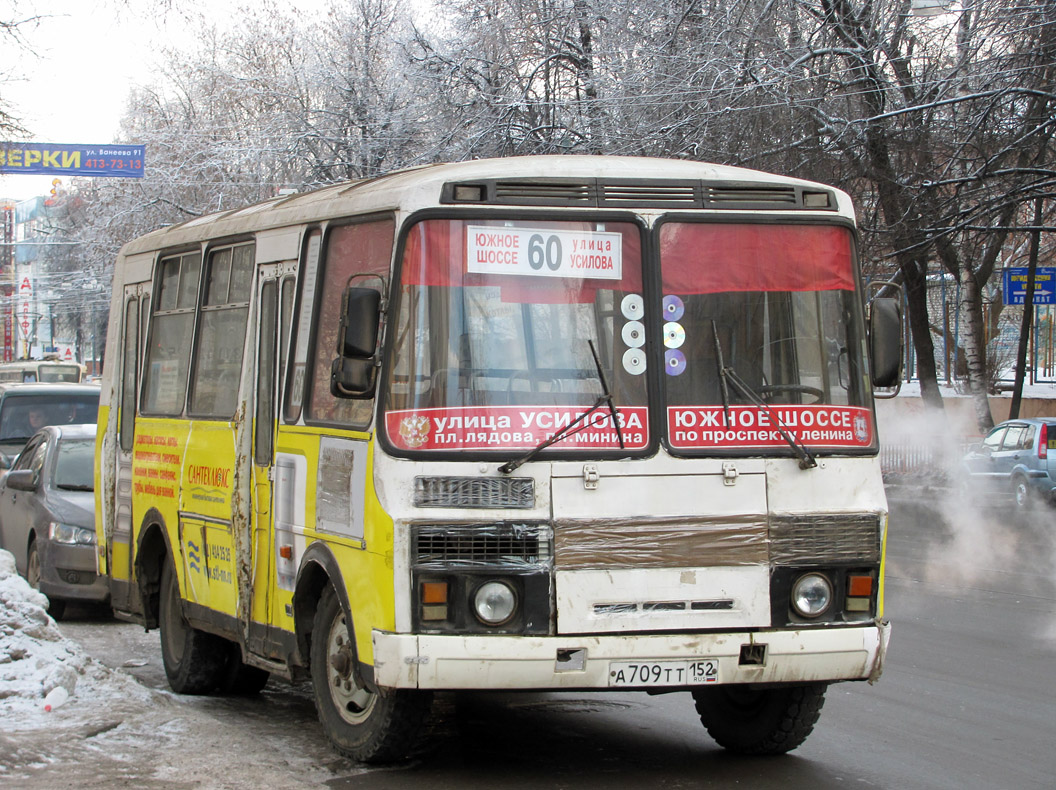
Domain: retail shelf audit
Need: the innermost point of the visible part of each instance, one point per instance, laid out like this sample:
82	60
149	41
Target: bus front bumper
430	661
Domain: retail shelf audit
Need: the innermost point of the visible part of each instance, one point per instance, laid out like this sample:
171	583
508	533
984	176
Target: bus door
214	519
119	562
276	291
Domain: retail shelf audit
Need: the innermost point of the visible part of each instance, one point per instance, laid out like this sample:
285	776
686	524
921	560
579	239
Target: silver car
1018	457
47	515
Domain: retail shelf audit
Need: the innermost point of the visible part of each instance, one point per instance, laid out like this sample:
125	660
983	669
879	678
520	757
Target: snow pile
36	658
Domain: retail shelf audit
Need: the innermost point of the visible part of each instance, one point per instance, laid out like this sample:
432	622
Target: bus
41	370
541	423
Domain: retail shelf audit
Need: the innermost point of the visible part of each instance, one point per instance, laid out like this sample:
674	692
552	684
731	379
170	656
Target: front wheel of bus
369	726
194	660
751	720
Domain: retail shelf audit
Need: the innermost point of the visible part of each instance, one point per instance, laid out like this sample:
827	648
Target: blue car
1018	457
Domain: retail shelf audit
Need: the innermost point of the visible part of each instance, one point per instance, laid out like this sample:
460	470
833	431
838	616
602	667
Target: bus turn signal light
859	592
434	592
434	600
859	586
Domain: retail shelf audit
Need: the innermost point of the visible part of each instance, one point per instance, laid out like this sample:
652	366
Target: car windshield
23	414
74	464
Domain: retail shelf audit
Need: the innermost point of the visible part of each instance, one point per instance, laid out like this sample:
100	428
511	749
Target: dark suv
26	408
1017	457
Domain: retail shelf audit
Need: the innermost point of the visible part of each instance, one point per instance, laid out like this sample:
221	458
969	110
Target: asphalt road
967	700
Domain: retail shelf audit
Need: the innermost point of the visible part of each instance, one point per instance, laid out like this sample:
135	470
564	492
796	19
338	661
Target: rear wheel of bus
751	720
194	660
369	726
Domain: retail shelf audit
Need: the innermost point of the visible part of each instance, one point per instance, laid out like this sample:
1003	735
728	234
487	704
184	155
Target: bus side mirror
352	378
360	313
885	340
353	373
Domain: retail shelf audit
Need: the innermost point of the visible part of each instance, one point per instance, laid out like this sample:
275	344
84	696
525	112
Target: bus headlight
494	603
811	595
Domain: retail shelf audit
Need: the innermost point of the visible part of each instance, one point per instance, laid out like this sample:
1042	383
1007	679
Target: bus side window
222	334
265	417
129	373
294	372
359	249
172	327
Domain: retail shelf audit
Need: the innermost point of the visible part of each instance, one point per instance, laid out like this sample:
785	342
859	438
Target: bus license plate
663	673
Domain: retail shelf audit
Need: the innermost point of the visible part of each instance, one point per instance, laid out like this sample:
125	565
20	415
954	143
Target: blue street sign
110	160
1015	285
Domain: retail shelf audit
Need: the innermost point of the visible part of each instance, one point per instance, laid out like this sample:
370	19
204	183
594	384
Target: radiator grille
502	544
474	492
824	540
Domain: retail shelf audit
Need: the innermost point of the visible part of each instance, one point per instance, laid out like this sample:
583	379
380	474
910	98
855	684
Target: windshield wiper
605	393
806	459
722	372
568	430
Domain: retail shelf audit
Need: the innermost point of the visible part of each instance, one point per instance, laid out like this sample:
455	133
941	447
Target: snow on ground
114	731
36	658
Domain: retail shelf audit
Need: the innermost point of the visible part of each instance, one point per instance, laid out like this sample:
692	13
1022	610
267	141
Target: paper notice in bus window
692	427
544	252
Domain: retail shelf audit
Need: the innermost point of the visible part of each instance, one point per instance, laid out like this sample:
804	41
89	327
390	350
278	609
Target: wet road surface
967	700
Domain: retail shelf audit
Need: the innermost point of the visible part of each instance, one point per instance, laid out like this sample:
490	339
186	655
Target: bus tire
369	726
749	720
194	660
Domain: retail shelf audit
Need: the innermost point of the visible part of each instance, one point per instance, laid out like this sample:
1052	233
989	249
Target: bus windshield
776	307
760	332
51	373
493	335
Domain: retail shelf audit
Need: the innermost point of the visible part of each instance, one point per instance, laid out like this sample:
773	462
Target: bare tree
941	129
16	49
946	126
518	77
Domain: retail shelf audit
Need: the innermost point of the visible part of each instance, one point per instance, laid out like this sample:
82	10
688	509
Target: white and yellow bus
41	370
545	423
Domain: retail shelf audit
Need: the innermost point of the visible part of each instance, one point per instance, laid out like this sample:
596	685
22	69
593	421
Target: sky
88	56
85	56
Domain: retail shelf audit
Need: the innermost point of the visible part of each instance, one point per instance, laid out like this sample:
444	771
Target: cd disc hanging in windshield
674	334
634	361
633	307
634	334
673	308
674	362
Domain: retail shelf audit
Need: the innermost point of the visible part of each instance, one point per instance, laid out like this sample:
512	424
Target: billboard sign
94	161
1015	285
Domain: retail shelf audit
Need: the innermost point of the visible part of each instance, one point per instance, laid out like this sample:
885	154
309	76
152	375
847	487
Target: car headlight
494	603
811	595
67	533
